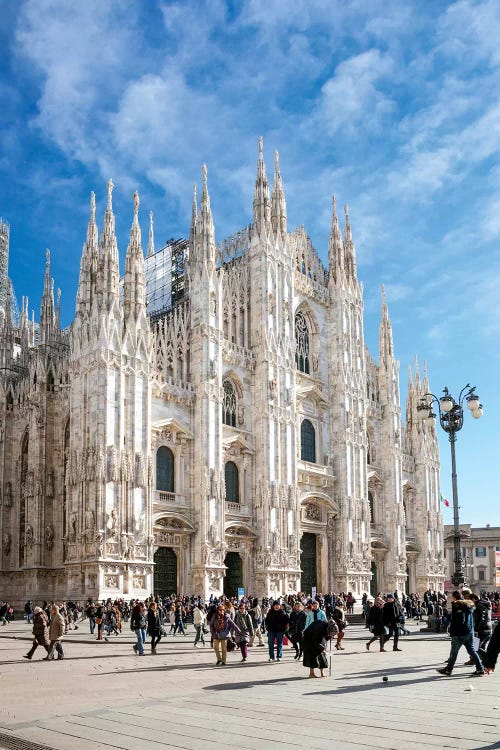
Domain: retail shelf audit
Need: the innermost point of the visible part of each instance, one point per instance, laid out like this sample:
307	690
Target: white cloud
351	98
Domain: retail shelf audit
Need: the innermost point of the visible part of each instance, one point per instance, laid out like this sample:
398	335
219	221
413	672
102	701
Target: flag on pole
445	501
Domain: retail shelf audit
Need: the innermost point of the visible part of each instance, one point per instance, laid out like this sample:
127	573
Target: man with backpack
462	633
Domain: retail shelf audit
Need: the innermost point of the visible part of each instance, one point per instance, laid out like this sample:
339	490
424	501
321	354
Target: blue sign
241	594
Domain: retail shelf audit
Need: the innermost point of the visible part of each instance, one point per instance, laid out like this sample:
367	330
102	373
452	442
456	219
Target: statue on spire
110	186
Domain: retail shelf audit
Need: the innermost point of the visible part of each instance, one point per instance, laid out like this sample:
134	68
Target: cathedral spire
385	337
151	242
47	304
89	263
349	249
134	297
204	229
109	252
261	199
335	249
278	202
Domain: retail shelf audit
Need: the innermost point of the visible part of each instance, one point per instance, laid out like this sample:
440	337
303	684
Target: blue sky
393	106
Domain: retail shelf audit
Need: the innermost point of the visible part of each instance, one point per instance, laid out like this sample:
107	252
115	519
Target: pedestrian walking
256	615
199	622
56	633
243	622
462	633
277	621
375	621
221	627
154	626
314	647
138	624
40	632
391	615
295	630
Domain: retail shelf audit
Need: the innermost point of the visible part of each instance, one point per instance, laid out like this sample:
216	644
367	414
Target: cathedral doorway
308	562
374	582
165	576
234	574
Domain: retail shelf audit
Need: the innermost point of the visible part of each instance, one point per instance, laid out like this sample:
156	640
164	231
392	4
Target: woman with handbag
243	621
221	627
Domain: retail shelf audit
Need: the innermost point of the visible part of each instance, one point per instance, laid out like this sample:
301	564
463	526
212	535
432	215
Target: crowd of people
307	624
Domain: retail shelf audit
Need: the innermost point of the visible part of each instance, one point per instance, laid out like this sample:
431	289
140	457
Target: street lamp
451	419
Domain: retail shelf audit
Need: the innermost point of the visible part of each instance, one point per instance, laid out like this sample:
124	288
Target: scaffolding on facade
165	277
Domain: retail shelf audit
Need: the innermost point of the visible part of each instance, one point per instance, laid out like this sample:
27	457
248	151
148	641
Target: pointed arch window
165	470
229	404
302	351
231	477
307	442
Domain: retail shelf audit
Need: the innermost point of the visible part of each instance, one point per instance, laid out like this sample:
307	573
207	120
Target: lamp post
451	419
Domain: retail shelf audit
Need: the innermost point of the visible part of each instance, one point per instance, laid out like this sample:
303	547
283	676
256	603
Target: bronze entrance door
234	574
308	562
165	576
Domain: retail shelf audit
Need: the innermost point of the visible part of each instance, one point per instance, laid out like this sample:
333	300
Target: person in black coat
491	656
314	640
392	613
277	621
375	621
154	626
297	624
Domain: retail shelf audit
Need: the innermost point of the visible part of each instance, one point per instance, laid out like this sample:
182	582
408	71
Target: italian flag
445	501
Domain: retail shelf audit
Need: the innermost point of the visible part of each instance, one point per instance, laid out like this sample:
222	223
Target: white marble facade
245	437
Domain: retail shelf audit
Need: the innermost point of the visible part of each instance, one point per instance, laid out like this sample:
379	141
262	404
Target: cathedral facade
242	437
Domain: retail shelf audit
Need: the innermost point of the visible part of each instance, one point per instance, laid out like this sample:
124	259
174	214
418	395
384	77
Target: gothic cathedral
238	436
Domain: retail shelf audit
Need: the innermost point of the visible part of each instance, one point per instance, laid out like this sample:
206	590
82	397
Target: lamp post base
458	578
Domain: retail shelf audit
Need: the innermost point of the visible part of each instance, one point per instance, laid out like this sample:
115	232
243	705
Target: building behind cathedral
211	421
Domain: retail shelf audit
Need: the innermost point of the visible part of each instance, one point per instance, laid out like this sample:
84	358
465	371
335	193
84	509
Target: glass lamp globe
446	403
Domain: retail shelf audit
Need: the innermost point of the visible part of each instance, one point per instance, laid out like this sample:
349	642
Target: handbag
223	635
231	645
98	620
322	660
204	629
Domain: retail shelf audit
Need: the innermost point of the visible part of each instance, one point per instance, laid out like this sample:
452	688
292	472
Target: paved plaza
104	695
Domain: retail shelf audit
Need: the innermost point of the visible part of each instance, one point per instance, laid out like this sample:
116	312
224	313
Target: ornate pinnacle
110	187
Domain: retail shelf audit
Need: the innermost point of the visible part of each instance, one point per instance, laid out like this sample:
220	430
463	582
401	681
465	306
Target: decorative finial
47	257
58	296
384	300
204	175
261	147
277	160
136	205
92	205
110	187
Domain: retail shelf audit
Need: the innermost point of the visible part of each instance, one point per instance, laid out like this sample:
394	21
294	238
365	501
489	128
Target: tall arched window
302	344
372	507
229	404
231	476
23	501
165	469
307	442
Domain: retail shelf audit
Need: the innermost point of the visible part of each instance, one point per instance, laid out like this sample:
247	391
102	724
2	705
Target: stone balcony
170	499
319	476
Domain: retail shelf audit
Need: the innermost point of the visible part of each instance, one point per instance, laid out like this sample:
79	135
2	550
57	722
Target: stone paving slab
179	699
